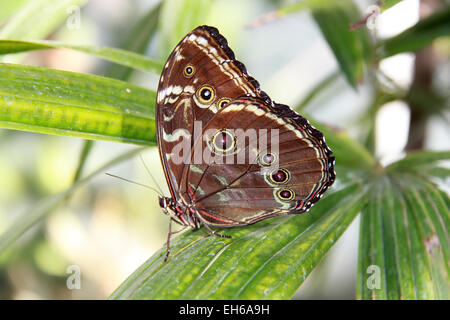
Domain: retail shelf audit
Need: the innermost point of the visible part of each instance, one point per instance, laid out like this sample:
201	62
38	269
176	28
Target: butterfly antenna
150	174
137	183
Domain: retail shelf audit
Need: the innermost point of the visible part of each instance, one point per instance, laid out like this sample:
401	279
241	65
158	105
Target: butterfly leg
169	235
211	231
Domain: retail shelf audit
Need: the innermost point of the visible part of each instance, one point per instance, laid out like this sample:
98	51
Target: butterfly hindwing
274	180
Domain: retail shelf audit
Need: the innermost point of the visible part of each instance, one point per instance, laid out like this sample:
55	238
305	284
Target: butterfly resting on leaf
231	156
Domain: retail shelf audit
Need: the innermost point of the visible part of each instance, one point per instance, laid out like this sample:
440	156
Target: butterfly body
232	156
182	213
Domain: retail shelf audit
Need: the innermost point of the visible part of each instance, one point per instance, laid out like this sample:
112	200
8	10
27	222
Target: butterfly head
167	205
179	212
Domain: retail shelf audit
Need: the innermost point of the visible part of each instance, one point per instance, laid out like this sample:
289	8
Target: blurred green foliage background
108	227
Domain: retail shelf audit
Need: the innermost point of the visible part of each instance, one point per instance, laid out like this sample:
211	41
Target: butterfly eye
286	194
188	71
223	141
206	94
267	159
223	102
279	176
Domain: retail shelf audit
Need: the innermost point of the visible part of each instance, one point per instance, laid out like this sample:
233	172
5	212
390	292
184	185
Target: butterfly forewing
202	60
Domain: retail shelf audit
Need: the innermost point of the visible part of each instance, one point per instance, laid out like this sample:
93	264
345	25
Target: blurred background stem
424	68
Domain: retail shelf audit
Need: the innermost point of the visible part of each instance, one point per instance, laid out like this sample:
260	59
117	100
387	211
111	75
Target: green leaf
37	18
403	252
137	41
386	4
10	7
304	5
185	15
40	210
87	147
123	57
349	153
419	35
267	260
438	172
384	248
319	4
71	104
351	48
419	160
316	90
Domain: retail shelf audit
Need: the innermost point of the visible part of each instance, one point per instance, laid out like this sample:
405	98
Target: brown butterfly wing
234	193
178	105
243	193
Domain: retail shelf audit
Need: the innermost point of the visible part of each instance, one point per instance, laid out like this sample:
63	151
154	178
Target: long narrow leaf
186	15
268	260
87	147
303	5
10	8
37	18
46	206
348	152
351	48
316	90
386	4
419	35
404	252
137	41
419	159
122	57
78	105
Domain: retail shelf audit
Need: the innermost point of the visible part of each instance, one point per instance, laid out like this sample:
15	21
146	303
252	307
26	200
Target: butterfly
231	156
